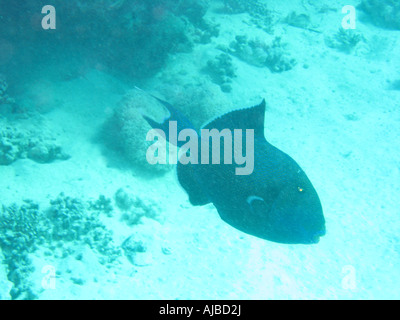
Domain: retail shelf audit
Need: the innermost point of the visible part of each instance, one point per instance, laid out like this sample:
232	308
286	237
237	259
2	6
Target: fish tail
174	115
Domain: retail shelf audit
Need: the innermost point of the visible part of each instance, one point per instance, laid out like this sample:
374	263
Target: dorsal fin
248	118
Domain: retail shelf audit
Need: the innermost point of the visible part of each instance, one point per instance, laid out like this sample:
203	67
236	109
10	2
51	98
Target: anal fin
189	182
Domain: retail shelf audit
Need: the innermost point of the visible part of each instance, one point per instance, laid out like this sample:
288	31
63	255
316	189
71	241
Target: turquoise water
84	214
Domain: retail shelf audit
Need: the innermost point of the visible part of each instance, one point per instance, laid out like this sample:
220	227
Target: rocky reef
274	56
344	40
7	103
261	16
134	38
66	225
17	143
199	100
26	228
125	131
4	98
221	71
134	208
383	13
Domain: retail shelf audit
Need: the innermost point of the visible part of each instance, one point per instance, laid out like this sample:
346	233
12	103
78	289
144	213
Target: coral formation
20	144
21	229
134	208
194	10
126	130
4	98
253	7
253	52
130	37
383	13
141	246
7	103
237	6
74	220
102	204
278	60
25	228
222	71
199	100
260	15
301	20
257	53
64	227
136	251
5	284
344	40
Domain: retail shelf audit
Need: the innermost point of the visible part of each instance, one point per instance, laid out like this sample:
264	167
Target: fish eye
300	189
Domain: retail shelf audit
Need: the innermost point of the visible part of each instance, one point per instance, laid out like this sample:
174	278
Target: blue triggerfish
276	202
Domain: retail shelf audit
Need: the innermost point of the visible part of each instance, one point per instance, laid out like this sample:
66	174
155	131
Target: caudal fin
174	115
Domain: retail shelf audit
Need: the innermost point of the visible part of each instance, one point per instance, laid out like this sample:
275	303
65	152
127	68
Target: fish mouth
317	235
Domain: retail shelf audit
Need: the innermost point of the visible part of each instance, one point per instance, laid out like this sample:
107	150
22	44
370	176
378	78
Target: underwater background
83	215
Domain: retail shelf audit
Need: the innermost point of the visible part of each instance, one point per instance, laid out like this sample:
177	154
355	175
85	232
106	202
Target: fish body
276	202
